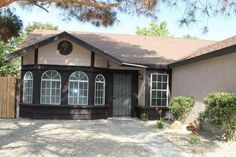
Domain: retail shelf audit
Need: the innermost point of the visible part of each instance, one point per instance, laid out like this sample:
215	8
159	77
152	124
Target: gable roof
213	50
154	52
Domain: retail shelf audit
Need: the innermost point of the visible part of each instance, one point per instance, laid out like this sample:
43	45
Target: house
78	75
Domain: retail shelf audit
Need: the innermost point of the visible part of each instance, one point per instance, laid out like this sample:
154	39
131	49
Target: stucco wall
29	58
100	61
200	78
78	57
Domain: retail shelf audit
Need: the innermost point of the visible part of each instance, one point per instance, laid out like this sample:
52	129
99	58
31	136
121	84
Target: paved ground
97	138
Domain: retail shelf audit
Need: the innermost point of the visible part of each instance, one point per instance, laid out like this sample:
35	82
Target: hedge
221	112
180	106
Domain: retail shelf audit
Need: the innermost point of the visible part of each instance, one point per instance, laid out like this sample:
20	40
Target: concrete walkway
115	137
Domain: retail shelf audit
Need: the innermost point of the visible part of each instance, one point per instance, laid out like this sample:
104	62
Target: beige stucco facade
28	58
203	77
141	87
49	55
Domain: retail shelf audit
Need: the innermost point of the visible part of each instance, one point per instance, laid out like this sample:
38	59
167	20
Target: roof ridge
121	34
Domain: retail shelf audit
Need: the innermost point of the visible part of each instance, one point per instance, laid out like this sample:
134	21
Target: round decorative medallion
64	47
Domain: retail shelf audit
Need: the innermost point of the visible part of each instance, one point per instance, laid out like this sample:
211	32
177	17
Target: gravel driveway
123	137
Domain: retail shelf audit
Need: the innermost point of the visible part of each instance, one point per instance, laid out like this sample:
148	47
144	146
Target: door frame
134	89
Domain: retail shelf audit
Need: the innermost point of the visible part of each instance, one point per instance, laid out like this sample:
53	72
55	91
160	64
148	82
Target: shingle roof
213	47
212	50
134	49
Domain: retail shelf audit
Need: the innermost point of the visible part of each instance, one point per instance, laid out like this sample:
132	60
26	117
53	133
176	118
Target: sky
219	28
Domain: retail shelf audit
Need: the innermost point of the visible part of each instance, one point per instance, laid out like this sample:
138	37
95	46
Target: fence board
7	97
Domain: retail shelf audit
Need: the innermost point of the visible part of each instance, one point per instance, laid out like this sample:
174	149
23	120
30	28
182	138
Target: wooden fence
7	97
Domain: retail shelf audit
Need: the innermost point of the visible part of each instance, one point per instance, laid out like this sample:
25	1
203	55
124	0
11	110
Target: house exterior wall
203	77
29	58
100	61
78	57
80	60
141	87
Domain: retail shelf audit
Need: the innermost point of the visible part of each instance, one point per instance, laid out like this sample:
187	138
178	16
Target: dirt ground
116	137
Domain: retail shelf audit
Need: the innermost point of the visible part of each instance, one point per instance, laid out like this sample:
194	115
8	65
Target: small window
159	89
78	88
50	88
28	88
99	90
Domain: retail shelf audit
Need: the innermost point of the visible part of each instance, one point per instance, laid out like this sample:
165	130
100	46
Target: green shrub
144	117
221	112
181	106
160	124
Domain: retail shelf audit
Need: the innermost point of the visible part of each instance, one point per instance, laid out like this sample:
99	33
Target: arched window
28	88
50	87
99	90
78	88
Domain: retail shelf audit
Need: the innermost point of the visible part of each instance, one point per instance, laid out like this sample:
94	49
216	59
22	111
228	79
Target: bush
221	112
181	106
144	117
160	124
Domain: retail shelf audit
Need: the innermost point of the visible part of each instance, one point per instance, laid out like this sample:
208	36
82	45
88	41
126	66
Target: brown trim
92	58
36	54
217	53
17	95
22	61
37	111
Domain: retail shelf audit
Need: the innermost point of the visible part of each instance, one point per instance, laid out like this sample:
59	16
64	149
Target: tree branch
90	3
4	3
98	5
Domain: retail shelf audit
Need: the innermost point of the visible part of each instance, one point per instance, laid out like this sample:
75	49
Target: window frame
78	81
50	103
28	72
104	88
166	90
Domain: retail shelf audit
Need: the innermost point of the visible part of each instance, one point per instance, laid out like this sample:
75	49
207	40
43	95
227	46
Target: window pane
28	88
50	87
78	91
164	101
154	77
159	90
164	94
100	90
159	78
165	78
164	86
158	102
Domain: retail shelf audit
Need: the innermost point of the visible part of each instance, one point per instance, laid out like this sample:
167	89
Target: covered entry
122	94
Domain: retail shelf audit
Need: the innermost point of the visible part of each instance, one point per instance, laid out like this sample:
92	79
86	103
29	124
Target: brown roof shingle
209	51
213	47
135	49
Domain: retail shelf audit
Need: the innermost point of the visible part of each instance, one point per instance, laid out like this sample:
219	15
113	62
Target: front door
122	95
